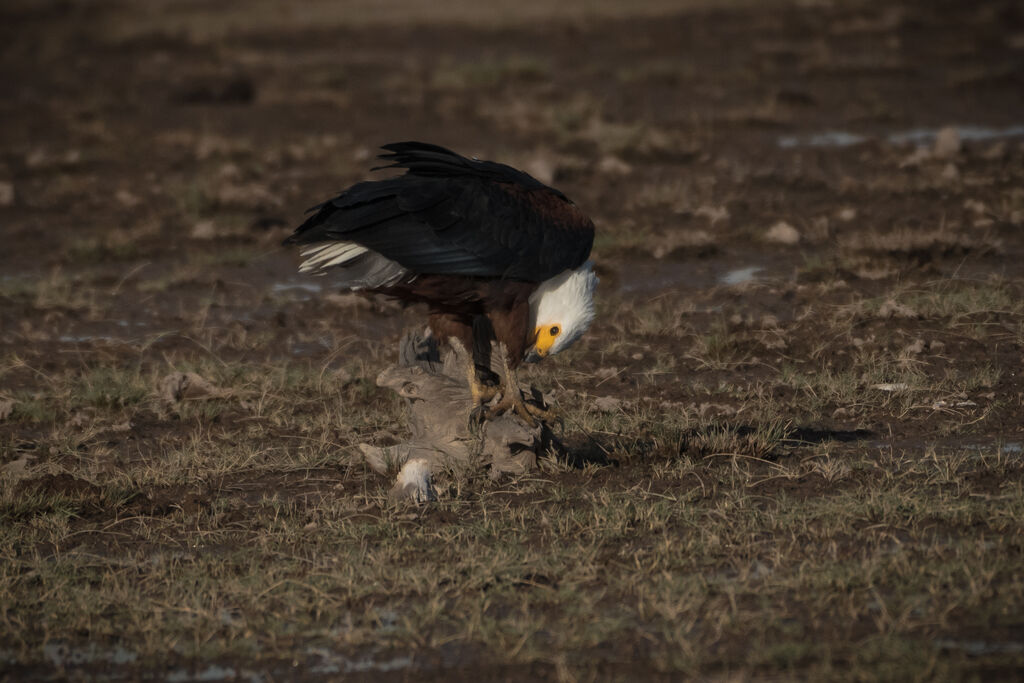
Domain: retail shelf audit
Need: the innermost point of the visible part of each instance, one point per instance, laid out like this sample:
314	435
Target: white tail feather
323	255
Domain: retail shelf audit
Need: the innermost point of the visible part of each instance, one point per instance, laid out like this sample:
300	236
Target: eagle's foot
541	412
481	394
512	400
530	411
477	417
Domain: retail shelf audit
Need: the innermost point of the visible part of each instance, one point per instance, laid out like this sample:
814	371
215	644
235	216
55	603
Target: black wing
449	215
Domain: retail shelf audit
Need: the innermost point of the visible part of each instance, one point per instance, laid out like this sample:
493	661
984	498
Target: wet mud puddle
636	278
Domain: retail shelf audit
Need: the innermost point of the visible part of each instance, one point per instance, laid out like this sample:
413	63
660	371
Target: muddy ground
796	423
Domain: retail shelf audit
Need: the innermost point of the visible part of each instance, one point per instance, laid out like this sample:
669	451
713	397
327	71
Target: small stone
714	214
229	172
950	173
247	196
715	410
127	199
995	152
541	168
40	158
847	214
697	240
890	387
296	152
782	233
771	341
203	230
608	404
821	226
349	300
82	419
975	206
18	469
6	408
947	143
915	348
892	309
916	158
613	165
209	146
37	158
936	346
6	193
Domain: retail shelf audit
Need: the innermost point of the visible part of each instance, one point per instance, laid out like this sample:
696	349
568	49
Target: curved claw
527	411
542	413
477	417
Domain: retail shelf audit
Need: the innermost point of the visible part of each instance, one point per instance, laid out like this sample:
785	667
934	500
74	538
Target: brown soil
154	173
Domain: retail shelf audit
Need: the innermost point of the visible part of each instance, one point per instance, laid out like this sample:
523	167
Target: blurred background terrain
807	363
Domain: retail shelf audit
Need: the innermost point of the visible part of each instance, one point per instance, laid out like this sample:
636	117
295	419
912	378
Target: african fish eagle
493	252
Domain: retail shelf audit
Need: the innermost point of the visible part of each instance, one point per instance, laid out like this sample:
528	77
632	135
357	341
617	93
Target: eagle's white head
561	310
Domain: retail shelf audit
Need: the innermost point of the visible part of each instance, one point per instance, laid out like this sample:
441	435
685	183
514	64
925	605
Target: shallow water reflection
843	138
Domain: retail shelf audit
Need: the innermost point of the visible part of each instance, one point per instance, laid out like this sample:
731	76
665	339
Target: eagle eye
554	330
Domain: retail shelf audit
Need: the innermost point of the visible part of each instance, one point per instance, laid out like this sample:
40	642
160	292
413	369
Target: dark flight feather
449	215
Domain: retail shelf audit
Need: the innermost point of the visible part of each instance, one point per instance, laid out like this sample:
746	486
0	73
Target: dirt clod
947	143
782	233
894	309
608	404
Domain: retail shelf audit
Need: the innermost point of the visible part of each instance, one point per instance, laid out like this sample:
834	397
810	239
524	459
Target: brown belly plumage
474	310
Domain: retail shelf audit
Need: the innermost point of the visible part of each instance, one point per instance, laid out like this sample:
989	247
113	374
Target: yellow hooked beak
545	339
